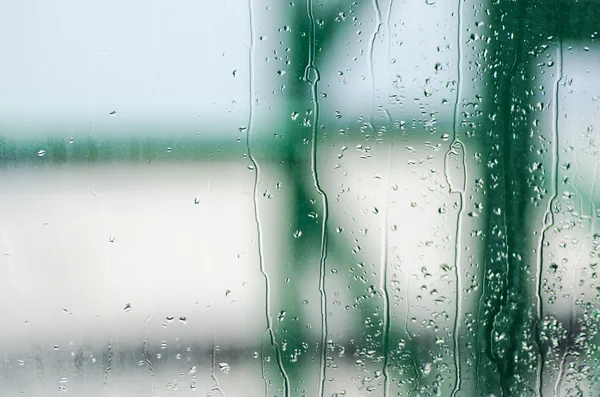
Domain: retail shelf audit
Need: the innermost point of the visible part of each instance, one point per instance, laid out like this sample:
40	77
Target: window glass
299	198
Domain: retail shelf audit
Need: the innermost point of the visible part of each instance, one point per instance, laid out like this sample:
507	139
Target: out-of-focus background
314	198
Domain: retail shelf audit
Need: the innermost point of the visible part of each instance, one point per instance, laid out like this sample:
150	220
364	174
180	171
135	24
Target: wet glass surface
314	198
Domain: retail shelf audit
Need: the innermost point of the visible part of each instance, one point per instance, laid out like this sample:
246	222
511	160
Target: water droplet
169	149
311	74
127	307
112	113
183	320
41	153
295	115
281	315
297	234
224	367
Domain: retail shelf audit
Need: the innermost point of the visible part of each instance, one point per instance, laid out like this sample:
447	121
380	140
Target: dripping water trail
460	151
262	364
568	342
147	356
592	201
213	366
108	366
108	297
249	130
371	62
413	352
408	333
456	143
311	75
385	238
578	194
388	33
573	306
384	280
548	220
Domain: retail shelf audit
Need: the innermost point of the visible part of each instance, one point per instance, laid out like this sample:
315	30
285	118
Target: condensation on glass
305	198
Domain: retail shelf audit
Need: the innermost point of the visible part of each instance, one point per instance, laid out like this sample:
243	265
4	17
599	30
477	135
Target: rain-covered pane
300	198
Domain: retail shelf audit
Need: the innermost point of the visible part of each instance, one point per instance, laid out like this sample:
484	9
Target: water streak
108	298
569	350
456	143
459	150
370	50
147	355
548	219
384	241
384	280
213	366
592	201
413	351
311	75
573	305
262	364
249	131
108	367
